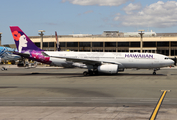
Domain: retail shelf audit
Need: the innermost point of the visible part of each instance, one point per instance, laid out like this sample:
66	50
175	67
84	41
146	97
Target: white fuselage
124	60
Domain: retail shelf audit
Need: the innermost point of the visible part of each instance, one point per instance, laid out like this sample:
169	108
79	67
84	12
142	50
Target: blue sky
86	16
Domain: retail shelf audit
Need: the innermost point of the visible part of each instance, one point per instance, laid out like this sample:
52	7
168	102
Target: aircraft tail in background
22	41
57	41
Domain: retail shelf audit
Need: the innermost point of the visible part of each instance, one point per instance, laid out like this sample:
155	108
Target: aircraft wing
84	61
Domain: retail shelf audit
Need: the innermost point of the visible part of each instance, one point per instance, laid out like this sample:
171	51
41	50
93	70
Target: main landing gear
90	73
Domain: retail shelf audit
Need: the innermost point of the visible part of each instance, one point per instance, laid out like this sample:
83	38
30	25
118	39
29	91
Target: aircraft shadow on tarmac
75	74
76	92
6	87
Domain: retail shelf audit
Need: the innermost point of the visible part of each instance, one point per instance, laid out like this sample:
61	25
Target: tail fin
58	44
22	41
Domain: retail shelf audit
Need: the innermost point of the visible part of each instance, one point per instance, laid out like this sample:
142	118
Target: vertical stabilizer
23	43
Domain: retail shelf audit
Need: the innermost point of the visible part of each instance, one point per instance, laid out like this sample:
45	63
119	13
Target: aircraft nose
171	62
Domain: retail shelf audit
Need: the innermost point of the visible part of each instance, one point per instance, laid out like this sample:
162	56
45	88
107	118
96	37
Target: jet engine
108	68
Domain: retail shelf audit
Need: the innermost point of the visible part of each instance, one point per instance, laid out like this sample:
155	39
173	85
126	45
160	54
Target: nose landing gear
154	73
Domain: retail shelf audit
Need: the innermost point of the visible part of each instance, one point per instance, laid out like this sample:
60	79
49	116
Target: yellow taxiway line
159	103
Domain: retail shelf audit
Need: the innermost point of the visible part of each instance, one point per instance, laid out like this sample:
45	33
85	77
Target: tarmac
54	93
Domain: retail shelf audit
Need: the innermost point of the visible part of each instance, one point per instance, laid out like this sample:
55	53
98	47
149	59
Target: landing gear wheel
154	73
85	73
95	72
90	72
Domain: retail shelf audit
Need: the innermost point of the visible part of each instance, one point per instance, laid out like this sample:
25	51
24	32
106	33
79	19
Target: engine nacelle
108	68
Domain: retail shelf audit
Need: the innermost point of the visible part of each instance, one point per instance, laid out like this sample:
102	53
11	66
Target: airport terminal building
112	41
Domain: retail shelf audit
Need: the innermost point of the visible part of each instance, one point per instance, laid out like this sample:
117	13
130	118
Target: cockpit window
166	58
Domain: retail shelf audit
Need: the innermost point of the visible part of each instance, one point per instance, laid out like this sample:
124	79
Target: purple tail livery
26	48
22	41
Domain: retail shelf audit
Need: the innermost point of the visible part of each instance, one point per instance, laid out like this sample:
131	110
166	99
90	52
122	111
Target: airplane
6	54
111	63
27	49
95	62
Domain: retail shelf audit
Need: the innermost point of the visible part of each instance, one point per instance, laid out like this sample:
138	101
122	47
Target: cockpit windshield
166	58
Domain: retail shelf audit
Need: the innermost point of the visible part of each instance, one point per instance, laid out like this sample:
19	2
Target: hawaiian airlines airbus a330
111	63
95	62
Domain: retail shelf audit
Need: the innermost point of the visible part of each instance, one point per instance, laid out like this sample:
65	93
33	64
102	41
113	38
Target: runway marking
157	108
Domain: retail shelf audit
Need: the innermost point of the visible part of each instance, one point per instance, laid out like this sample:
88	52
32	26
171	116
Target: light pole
41	34
141	45
0	37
